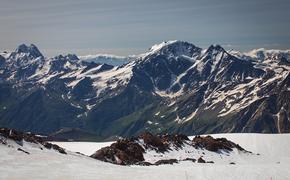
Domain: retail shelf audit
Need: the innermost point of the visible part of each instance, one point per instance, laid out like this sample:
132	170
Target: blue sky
125	27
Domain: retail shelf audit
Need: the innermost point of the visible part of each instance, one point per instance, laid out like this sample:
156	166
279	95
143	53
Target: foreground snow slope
273	163
277	145
87	148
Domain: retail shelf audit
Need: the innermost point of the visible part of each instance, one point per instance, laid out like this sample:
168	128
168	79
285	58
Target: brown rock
144	163
53	146
166	161
189	159
177	139
128	151
19	137
200	160
123	152
153	142
212	144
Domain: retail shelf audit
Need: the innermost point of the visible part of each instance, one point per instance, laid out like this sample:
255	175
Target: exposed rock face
176	139
53	146
189	159
215	145
154	142
200	160
144	163
131	151
123	152
19	137
166	161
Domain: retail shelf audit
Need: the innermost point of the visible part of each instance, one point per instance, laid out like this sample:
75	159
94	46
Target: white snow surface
109	79
272	163
87	148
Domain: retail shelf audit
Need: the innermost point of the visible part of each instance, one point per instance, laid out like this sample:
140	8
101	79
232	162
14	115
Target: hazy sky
125	27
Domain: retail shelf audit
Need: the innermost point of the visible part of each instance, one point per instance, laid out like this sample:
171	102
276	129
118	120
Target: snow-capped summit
159	46
72	57
68	57
274	55
24	56
31	50
214	53
263	54
107	59
174	48
214	49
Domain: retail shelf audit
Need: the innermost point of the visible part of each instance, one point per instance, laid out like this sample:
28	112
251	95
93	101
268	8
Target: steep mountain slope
175	87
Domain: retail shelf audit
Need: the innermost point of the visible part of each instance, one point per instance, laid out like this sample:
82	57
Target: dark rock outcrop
166	161
19	149
200	160
144	163
130	151
215	144
153	142
19	137
177	139
123	152
161	143
54	146
190	159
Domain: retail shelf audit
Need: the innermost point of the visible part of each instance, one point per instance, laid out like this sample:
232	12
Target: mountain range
175	87
107	59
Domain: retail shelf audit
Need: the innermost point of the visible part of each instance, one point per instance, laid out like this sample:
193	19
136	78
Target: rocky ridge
20	138
168	149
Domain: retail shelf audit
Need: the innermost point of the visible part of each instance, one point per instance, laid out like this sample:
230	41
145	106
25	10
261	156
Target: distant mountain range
107	59
174	87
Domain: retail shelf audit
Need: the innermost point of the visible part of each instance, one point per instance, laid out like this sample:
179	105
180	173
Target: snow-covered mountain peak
175	48
211	57
257	53
172	49
24	56
110	59
159	46
31	50
68	57
214	50
215	47
72	57
263	54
